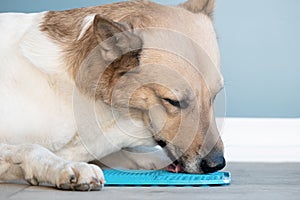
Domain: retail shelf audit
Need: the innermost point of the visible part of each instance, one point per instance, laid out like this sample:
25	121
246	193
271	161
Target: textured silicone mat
163	178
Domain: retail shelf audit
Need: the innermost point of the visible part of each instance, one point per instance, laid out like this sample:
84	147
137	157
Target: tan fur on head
197	6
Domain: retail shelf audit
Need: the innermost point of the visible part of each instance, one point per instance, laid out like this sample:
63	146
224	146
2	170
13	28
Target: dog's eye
179	104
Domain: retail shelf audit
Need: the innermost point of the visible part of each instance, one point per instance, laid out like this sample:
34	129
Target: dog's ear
117	53
197	6
115	38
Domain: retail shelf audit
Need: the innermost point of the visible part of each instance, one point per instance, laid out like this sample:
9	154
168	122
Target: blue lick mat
163	178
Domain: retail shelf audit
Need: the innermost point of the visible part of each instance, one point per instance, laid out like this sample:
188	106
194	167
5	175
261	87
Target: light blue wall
41	5
260	45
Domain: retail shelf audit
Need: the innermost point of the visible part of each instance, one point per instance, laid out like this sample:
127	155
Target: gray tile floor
253	181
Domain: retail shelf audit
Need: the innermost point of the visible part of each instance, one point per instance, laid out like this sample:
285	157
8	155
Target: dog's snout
213	164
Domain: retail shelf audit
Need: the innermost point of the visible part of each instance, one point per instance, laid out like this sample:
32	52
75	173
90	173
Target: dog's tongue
174	168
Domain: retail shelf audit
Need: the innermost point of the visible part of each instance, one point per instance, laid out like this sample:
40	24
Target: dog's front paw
80	176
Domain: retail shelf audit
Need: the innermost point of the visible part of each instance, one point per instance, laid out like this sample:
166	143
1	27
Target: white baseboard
261	140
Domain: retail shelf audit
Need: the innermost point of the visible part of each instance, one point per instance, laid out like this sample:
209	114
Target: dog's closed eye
179	104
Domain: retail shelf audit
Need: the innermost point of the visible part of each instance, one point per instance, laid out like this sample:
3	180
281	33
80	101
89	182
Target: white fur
36	107
30	110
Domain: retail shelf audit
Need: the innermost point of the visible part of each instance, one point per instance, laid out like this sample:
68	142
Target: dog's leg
36	164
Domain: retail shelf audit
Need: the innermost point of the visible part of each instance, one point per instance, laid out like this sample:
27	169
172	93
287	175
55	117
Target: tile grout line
19	191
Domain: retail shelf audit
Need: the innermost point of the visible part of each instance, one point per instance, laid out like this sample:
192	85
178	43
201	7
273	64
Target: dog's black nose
209	166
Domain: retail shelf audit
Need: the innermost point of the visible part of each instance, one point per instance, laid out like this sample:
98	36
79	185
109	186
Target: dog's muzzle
212	162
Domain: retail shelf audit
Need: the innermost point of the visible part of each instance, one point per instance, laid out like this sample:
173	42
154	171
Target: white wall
261	139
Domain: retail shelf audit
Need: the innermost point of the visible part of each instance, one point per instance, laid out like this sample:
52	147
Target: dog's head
163	70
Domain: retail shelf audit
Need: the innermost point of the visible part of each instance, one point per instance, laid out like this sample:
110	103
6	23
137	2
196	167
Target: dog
107	83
